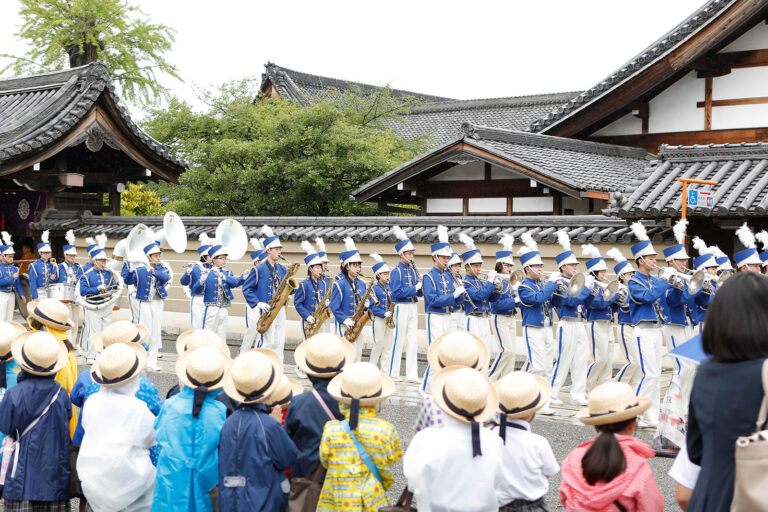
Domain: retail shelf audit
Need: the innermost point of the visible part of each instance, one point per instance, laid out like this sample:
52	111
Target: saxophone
287	285
320	314
391	311
361	316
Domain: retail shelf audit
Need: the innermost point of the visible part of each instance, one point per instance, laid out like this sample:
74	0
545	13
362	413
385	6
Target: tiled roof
653	53
741	171
38	110
582	228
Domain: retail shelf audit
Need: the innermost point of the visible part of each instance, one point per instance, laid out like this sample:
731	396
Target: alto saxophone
287	285
360	317
320	314
391	317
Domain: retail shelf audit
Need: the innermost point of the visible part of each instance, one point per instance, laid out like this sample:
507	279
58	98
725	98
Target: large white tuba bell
173	233
231	234
139	237
119	253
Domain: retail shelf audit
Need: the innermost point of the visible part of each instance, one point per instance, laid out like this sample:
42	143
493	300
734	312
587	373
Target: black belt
480	315
409	301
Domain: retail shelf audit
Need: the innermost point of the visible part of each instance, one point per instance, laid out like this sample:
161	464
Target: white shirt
526	462
683	471
113	464
443	475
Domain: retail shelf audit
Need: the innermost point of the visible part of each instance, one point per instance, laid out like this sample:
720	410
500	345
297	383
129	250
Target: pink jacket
635	488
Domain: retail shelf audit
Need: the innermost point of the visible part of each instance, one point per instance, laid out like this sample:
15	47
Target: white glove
492	276
262	307
555	276
387	314
367	303
418	286
667	273
458	291
348	323
310	319
102	287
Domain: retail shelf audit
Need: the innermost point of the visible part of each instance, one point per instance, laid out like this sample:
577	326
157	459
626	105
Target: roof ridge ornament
468	129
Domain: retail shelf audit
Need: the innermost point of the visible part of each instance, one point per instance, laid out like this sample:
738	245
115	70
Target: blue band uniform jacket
93	279
216	287
192	277
146	282
402	284
645	293
535	301
504	302
309	292
480	292
438	290
41	275
8	283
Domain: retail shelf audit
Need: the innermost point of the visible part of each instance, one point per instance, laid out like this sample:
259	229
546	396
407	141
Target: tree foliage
276	157
76	32
140	201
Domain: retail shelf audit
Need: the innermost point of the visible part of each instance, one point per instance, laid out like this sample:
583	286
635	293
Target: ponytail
605	460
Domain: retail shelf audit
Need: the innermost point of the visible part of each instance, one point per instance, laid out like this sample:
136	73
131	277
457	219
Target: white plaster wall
470	171
499	173
487	205
675	108
532	204
741	83
739	116
755	38
627	125
579	206
445	206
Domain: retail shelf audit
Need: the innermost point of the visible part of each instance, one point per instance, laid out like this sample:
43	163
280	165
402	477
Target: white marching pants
327	326
358	344
7	305
215	319
76	315
649	340
151	315
437	324
600	353
571	355
458	321
274	338
383	339
630	373
506	336
405	338
133	305
196	311
539	344
251	333
95	321
481	325
676	335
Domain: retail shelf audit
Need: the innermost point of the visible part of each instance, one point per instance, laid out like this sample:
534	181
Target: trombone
572	287
695	280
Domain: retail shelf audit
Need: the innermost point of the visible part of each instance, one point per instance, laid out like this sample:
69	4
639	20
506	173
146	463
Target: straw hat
193	339
612	402
118	364
458	348
252	376
39	353
9	331
361	381
521	394
466	390
204	366
51	313
122	331
324	355
286	389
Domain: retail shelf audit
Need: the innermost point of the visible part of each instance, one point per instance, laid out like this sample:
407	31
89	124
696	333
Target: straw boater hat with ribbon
466	395
286	389
9	331
196	338
51	313
324	355
612	402
203	371
360	384
122	331
253	376
118	364
39	353
520	395
460	348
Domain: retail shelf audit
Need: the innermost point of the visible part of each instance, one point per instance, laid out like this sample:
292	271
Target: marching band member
535	298
503	310
383	336
70	273
43	271
192	275
723	261
630	373
442	294
215	284
599	318
96	280
312	289
327	327
9	280
458	318
571	338
477	307
347	295
150	282
405	285
260	287
645	293
746	260
705	262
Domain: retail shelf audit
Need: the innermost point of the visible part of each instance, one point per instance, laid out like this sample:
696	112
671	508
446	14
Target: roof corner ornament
468	129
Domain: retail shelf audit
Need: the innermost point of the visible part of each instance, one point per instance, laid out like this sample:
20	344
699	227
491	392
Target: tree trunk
78	58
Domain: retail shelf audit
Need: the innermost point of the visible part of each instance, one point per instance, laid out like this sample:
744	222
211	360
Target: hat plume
762	237
320	243
6	238
679	230
399	233
442	234
70	237
467	241
527	239
204	239
701	246
616	255
349	244
507	241
377	257
101	240
44	236
590	251
564	240
267	231
746	236
717	252
90	241
307	247
639	231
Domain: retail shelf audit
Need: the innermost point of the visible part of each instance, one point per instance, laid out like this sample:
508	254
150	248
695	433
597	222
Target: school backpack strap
323	404
363	454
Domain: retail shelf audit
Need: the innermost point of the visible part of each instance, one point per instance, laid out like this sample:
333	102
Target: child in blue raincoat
187	431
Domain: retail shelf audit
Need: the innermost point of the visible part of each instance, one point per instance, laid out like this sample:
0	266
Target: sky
457	49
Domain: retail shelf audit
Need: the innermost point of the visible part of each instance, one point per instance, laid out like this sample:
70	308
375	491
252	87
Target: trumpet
516	278
572	287
609	289
694	280
711	282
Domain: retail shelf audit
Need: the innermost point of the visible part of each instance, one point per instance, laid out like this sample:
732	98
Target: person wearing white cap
216	286
458	318
42	272
94	281
320	243
706	262
312	290
259	288
630	373
645	294
192	275
9	280
503	311
405	286
150	281
383	336
348	292
747	260
70	273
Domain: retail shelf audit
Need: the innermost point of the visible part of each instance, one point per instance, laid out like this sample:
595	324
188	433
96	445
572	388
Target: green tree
275	157
76	32
140	201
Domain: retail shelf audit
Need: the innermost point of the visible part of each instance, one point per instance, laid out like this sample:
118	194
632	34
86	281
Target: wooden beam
597	194
114	202
723	62
487	168
736	101
708	103
652	141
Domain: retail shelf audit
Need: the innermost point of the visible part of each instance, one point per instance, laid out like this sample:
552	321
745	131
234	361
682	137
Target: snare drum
60	292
